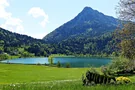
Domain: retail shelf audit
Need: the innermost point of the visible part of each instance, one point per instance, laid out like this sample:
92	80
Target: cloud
11	23
38	12
3	13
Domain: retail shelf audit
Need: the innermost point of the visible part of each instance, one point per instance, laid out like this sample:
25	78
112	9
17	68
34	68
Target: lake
74	61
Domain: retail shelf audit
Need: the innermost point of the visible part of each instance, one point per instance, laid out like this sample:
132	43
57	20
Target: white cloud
38	12
4	3
3	13
11	23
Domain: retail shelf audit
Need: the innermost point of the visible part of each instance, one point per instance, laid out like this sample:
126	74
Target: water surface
83	61
74	61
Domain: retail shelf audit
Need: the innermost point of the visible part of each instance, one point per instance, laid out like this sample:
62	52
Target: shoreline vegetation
7	56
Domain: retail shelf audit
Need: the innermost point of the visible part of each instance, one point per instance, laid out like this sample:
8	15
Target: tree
126	9
1	50
67	65
127	32
58	64
126	36
50	59
27	54
115	54
128	48
4	56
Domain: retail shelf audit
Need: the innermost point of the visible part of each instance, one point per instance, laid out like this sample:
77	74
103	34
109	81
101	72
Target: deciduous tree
126	9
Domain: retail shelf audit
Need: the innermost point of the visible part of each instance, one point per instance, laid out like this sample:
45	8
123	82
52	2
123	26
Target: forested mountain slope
89	23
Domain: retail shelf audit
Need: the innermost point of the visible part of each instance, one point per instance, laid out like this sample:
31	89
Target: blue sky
37	18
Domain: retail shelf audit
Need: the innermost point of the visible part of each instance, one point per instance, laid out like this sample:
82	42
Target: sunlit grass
40	77
68	85
15	73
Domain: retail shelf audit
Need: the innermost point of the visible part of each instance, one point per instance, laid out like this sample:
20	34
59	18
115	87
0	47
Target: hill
22	45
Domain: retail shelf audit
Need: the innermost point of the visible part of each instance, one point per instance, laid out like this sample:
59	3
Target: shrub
4	56
104	70
120	64
93	70
67	65
38	63
45	64
58	64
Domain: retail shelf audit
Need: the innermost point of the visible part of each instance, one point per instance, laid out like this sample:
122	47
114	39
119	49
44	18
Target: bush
104	70
93	70
67	65
121	64
38	63
4	56
58	64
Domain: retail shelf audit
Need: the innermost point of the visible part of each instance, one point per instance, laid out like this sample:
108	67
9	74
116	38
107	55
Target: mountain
25	46
13	39
89	33
88	23
22	45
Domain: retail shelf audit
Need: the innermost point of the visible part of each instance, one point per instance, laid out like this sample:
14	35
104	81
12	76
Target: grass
15	73
68	85
40	77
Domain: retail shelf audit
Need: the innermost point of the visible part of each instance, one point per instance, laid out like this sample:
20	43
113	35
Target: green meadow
40	77
16	73
67	85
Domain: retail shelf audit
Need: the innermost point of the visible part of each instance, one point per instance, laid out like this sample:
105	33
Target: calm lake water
74	61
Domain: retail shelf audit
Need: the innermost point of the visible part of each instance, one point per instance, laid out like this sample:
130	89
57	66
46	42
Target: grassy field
34	77
14	73
64	85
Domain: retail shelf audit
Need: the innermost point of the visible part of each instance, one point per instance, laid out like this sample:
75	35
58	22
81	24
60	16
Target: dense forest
105	44
22	45
25	46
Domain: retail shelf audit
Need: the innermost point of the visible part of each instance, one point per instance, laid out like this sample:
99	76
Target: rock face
89	23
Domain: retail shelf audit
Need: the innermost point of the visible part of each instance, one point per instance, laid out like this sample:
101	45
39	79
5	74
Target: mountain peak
89	14
89	22
87	8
